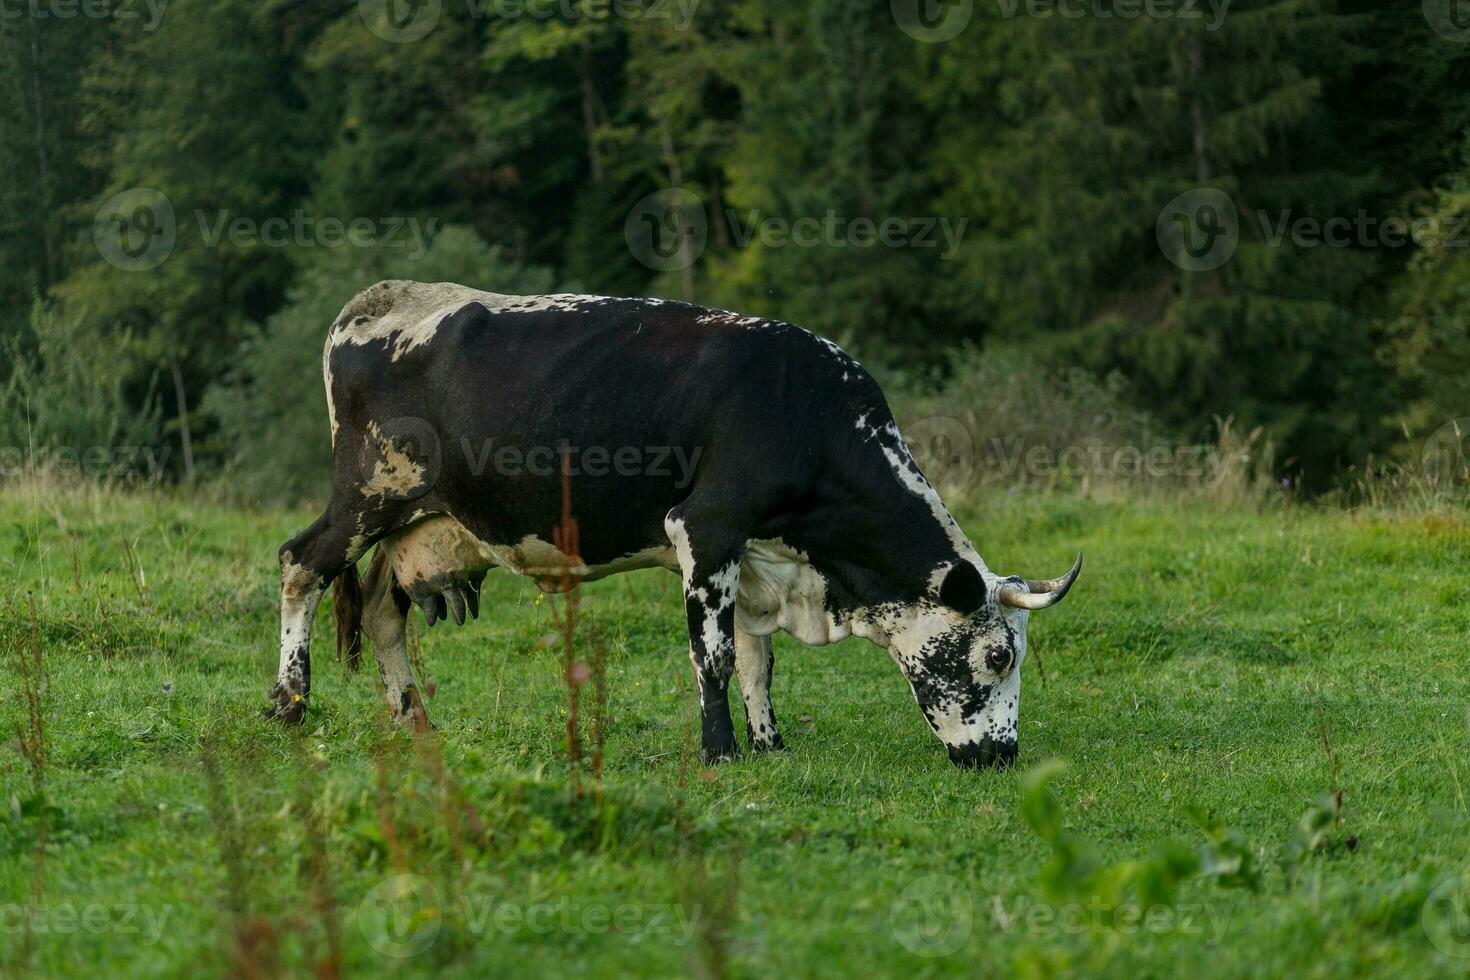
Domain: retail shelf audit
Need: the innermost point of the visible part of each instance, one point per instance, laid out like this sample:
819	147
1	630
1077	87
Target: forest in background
192	189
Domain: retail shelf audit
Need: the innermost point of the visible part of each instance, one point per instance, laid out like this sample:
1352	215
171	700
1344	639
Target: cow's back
644	400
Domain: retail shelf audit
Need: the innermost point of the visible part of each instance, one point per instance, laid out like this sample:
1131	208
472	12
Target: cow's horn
1040	593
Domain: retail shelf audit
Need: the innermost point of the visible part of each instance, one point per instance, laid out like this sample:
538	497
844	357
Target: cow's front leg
754	661
710	565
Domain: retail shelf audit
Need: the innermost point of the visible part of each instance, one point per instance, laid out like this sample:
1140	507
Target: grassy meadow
1215	675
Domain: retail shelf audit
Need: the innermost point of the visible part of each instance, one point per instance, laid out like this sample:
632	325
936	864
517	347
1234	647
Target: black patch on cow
986	752
944	678
963	590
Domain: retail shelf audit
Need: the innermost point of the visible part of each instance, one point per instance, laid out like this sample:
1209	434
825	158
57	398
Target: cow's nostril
985	752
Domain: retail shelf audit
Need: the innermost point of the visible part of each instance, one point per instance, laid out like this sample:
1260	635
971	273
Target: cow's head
961	648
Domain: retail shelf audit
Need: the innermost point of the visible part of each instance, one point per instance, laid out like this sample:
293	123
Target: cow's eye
998	659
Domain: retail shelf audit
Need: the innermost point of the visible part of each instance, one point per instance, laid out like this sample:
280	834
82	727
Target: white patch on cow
720	596
753	666
842	356
327	380
407	314
733	319
395	473
779	589
683	550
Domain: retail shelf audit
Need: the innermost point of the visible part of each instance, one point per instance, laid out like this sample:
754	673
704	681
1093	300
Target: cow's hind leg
710	565
385	621
754	661
309	562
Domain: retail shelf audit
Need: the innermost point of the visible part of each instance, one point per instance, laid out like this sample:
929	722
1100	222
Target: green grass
1196	664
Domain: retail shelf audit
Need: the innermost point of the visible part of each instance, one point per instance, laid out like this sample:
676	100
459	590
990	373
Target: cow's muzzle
986	752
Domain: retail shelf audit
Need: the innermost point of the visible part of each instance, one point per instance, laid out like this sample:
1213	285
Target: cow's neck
881	549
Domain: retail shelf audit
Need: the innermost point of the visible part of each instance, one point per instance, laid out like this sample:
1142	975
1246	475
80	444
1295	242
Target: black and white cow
755	459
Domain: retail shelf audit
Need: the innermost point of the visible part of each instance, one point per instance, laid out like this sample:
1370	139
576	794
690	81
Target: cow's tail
347	606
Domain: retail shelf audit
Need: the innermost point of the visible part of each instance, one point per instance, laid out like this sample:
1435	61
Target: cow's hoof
414	724
409	714
765	741
289	709
723	753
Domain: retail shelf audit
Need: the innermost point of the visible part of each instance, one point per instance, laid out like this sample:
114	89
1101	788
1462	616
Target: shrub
999	419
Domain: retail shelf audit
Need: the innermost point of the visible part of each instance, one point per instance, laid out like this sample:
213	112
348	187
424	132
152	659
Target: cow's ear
963	590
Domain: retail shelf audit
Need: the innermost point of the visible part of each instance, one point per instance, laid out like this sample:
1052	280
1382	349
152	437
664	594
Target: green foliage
1098	123
43	154
1043	146
71	388
1227	856
1311	832
1429	348
1120	889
